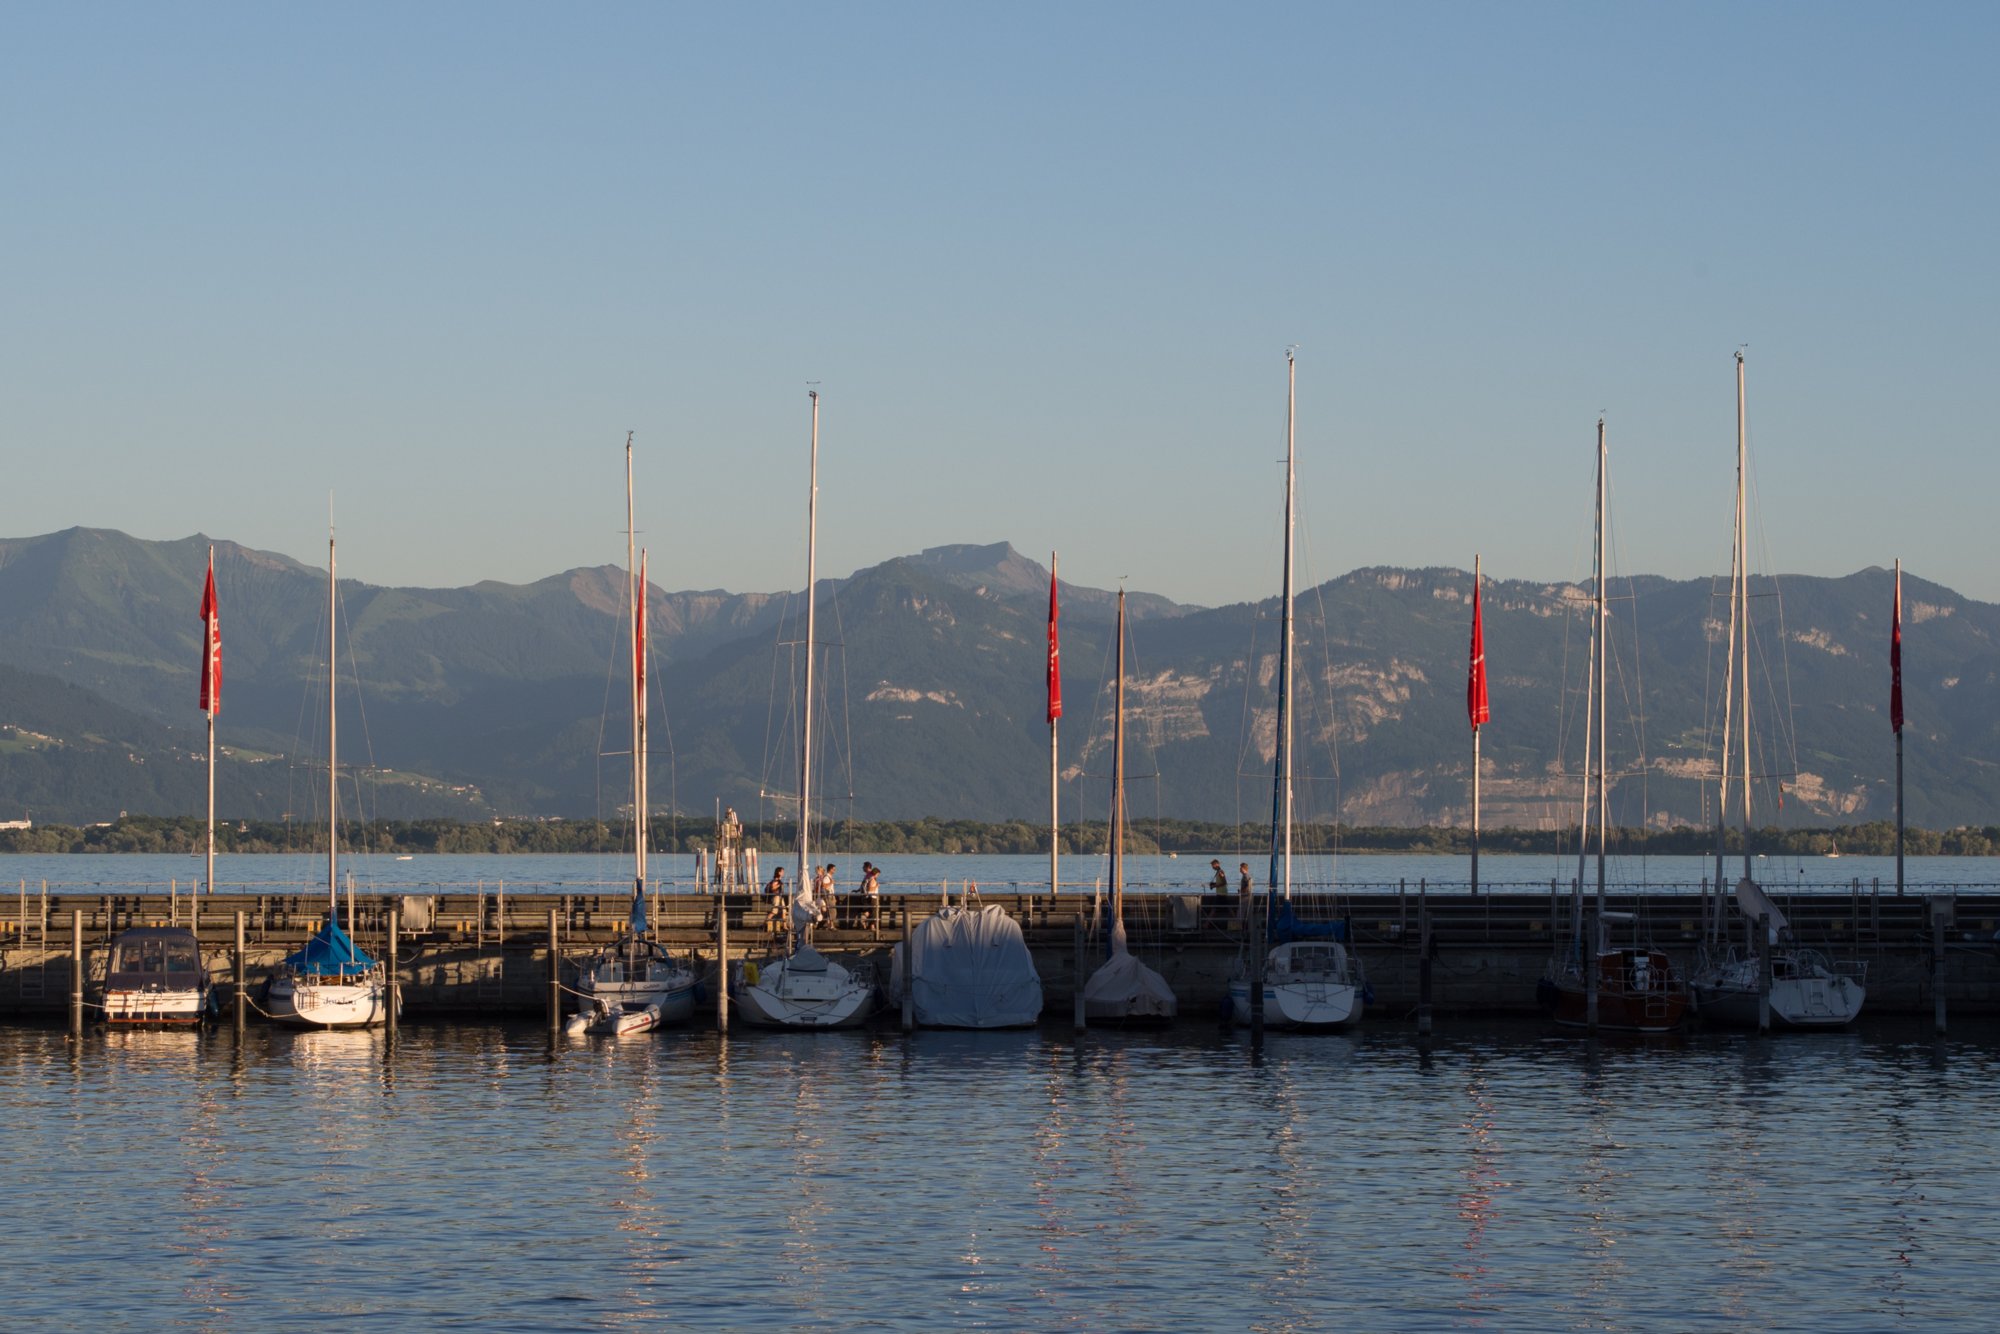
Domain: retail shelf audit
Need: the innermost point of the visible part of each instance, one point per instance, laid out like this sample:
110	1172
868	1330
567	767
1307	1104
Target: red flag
211	646
1055	653
1896	657
639	633
1475	682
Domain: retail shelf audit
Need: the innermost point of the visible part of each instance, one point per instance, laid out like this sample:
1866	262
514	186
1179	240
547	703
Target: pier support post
1078	1018
76	972
240	1003
721	962
1764	953
395	978
555	977
909	974
1423	969
1259	924
1940	909
1590	973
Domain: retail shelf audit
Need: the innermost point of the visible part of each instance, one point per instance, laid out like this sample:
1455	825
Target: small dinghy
612	1018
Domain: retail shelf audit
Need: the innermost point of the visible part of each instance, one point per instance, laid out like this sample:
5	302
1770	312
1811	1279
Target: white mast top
1285	705
1742	597
634	591
806	714
332	753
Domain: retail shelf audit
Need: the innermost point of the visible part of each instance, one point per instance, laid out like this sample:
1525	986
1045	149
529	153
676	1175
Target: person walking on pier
1220	883
1243	884
871	894
774	890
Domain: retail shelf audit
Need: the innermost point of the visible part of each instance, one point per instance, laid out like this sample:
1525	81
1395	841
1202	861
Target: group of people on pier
820	904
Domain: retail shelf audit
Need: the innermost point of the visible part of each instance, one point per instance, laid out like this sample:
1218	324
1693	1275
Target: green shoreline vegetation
184	834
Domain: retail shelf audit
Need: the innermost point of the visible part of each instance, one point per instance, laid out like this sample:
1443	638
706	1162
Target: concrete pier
459	955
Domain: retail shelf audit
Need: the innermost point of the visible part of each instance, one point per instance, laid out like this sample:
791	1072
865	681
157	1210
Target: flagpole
1475	753
1055	713
1898	720
208	668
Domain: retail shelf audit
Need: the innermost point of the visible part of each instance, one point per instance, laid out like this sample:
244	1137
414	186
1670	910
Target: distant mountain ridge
508	699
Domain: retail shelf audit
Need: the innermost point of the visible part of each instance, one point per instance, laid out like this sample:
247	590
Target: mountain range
503	699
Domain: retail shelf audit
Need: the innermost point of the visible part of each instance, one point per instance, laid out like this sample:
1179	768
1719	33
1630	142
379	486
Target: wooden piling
1423	968
241	1002
1078	1018
909	974
395	978
76	972
721	963
555	977
1590	972
1259	924
1940	909
1764	952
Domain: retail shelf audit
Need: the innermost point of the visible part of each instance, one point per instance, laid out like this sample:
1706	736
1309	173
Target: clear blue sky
1045	260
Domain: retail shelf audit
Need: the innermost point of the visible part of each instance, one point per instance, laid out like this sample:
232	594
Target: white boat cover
969	970
1124	988
1753	903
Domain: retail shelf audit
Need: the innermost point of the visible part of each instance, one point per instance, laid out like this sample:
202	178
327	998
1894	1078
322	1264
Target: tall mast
1604	671
1896	717
1281	795
1583	824
635	592
209	650
806	714
332	753
1118	776
1743	596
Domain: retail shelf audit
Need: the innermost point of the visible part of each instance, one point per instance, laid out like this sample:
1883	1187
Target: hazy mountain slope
511	698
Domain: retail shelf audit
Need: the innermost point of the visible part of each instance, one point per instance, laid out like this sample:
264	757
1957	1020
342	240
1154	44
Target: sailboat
633	984
1807	991
1632	988
332	982
1310	978
1123	990
804	988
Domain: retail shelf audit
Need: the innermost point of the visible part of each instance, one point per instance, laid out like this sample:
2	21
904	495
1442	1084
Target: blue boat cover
330	953
639	908
1285	926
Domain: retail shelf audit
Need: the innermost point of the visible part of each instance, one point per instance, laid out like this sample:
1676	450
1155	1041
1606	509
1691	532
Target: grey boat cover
969	970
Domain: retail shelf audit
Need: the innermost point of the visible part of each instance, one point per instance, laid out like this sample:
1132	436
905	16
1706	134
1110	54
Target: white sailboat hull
785	996
1301	1005
1307	985
305	1002
657	981
1817	998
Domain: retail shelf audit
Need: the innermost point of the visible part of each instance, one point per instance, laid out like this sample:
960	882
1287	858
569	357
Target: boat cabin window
181	959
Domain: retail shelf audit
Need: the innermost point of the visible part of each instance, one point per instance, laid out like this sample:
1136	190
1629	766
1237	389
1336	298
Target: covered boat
968	969
1124	990
156	976
331	983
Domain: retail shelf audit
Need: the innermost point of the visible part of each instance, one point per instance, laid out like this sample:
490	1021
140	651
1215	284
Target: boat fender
749	973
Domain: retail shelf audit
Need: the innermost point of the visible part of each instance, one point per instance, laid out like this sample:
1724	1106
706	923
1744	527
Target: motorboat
156	976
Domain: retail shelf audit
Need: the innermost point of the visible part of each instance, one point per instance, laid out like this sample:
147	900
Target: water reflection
1018	1180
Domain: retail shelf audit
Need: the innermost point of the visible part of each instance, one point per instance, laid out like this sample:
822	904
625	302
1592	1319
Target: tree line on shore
186	834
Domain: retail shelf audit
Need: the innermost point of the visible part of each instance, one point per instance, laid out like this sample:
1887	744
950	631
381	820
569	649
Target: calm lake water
1505	1178
279	872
